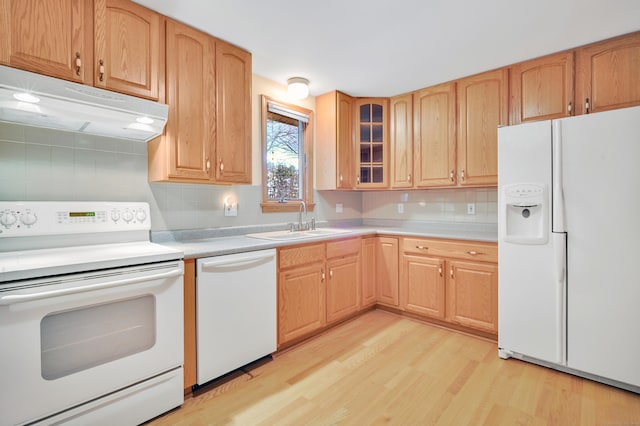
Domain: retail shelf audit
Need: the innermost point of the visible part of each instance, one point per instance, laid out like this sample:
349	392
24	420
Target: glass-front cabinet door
372	140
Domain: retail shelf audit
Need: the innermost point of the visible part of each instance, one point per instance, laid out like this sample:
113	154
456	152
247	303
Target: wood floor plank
383	369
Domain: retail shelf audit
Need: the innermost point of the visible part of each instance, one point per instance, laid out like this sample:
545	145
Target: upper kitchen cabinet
608	74
208	136
372	140
128	48
434	136
542	89
483	105
233	114
401	140
185	152
52	38
334	141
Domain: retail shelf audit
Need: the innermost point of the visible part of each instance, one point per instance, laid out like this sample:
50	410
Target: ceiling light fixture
298	87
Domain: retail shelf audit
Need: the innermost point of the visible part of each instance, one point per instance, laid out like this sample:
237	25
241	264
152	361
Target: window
287	163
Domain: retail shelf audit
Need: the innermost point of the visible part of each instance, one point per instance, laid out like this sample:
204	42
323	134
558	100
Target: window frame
274	206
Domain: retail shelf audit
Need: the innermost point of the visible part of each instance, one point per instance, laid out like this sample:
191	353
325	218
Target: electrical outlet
400	208
471	208
231	209
338	207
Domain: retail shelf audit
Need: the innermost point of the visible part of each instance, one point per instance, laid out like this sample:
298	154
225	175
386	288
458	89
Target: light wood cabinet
189	301
483	105
233	114
185	151
129	50
343	279
301	291
434	134
472	295
422	286
608	74
401	140
371	143
386	268
368	273
52	38
451	281
542	89
334	141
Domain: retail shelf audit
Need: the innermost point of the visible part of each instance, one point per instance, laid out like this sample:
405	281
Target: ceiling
385	48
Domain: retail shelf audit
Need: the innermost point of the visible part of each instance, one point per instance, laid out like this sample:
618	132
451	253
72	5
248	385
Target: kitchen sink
298	235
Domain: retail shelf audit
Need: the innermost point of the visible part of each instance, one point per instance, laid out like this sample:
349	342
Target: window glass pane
365	113
364	175
284	157
377	113
365	153
377	153
365	133
378	175
377	133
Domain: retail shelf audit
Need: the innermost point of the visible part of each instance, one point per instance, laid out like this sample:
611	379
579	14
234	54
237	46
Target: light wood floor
384	369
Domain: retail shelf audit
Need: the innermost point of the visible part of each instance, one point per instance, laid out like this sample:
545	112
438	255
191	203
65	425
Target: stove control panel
32	218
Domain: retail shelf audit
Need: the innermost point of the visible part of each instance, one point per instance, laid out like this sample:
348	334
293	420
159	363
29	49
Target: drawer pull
422	247
474	253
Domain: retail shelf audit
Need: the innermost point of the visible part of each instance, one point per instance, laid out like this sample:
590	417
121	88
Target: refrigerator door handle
558	222
560	260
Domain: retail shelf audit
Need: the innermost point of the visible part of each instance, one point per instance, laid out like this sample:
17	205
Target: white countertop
220	245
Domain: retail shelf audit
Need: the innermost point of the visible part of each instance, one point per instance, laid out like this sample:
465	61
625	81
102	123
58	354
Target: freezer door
530	296
601	183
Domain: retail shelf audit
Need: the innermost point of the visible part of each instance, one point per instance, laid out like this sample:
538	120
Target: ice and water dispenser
526	215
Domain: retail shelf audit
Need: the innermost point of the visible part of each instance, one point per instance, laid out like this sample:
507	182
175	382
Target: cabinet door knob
340	178
586	106
330	273
451	175
78	63
462	175
208	164
451	272
569	108
409	178
221	166
440	269
322	275
101	70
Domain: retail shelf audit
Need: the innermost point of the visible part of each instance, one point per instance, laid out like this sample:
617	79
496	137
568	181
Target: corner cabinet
334	141
608	74
208	137
483	105
371	142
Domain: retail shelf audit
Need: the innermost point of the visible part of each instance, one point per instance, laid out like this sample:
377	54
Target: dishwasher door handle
239	261
22	298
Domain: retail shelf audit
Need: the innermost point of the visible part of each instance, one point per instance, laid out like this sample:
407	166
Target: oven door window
79	339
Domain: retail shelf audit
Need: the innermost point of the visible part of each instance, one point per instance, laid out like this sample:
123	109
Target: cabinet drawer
471	250
343	248
301	255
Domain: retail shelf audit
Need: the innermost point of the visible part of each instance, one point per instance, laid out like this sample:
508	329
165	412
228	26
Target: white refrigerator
569	245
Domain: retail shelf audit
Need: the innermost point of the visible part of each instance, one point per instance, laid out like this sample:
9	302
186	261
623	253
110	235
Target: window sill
291	206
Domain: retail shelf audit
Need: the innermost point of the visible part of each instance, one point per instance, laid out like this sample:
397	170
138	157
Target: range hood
37	100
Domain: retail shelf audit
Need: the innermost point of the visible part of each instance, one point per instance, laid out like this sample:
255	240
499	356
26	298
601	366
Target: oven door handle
22	298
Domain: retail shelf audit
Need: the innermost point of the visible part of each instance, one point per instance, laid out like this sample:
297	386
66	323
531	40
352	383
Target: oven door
70	339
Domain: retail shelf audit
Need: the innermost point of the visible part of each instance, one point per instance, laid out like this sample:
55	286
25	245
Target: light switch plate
400	208
471	208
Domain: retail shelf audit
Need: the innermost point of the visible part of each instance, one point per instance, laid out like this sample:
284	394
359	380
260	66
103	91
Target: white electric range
91	314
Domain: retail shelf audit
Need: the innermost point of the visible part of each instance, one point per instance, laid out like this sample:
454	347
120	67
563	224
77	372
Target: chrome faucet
302	206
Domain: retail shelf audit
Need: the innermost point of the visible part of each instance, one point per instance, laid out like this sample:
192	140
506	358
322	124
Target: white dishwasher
235	311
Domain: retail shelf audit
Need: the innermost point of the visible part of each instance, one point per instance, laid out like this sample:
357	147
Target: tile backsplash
42	164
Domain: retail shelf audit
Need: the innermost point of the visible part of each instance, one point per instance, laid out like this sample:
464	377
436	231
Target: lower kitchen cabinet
473	295
368	272
451	281
423	286
386	267
301	291
343	280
